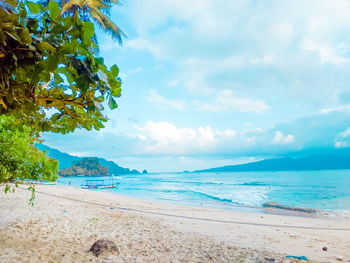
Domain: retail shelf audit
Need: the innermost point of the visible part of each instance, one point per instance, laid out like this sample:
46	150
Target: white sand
63	230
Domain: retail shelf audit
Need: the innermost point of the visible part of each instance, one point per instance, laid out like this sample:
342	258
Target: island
85	167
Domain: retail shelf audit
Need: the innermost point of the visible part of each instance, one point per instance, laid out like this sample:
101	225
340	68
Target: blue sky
210	83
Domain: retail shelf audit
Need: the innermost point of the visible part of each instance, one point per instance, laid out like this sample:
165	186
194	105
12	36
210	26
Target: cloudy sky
216	82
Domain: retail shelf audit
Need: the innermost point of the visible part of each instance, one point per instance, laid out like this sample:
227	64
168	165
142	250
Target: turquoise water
324	190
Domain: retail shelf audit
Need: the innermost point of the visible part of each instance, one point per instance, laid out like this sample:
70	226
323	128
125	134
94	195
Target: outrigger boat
97	184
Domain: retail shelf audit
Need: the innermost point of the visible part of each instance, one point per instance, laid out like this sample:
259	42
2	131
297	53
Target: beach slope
65	222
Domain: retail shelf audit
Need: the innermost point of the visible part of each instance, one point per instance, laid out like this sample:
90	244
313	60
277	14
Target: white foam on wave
245	196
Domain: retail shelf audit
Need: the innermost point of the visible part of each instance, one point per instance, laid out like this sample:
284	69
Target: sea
327	191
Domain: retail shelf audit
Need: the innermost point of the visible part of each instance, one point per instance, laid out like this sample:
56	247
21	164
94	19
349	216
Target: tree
49	76
19	158
51	79
96	10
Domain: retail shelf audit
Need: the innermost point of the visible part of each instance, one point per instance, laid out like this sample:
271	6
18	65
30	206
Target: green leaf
88	29
46	46
34	8
58	79
54	9
44	76
99	60
69	77
55	117
116	92
14	3
51	63
115	71
112	104
67	48
25	37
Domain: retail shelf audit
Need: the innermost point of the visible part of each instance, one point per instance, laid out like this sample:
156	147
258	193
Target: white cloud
280	138
80	154
336	109
230	56
134	70
161	101
172	83
253	130
227	100
265	59
213	42
165	137
157	50
108	44
326	52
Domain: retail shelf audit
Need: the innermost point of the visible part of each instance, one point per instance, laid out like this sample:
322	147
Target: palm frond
106	11
94	4
108	2
108	25
98	10
7	7
67	6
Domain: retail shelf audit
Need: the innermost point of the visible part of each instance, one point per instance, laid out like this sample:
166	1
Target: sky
210	83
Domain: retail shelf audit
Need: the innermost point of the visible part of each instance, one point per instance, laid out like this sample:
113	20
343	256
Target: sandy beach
65	222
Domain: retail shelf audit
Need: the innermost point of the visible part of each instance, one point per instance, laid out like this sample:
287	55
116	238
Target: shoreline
266	211
238	193
267	234
329	214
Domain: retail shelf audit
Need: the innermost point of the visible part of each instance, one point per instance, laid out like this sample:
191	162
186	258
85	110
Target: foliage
50	78
86	166
19	158
96	10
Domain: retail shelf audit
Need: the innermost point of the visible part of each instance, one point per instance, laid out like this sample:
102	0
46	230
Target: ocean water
328	191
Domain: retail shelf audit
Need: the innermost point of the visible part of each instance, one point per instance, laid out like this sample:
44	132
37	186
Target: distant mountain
86	166
317	162
66	160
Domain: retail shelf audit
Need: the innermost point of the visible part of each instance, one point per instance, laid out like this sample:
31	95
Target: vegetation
19	158
51	79
86	166
95	10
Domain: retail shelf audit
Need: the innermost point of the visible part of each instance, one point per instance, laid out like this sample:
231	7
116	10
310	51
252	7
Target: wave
215	183
255	184
217	198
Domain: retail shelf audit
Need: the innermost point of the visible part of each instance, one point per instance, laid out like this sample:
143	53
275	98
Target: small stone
104	248
339	258
325	248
